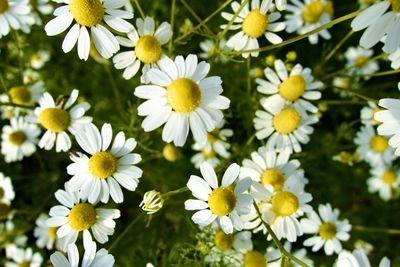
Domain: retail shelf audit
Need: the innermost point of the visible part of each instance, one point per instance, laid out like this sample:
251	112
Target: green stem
196	17
139	8
172	26
115	89
336	48
376	74
361	228
127	229
175	192
248	78
16	105
3	84
222	34
366	98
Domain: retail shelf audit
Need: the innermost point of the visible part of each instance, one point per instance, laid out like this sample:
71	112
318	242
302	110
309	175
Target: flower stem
139	8
222	34
16	105
175	192
172	22
361	228
187	6
376	74
336	48
127	229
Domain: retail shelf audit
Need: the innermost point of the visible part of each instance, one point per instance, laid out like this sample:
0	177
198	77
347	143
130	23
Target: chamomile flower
368	114
254	258
19	139
45	236
357	259
204	155
58	118
307	15
90	14
274	255
345	158
385	180
328	230
180	95
358	59
106	167
147	43
25	257
6	190
254	20
284	126
381	21
373	148
14	14
39	59
297	87
211	50
75	215
26	95
224	203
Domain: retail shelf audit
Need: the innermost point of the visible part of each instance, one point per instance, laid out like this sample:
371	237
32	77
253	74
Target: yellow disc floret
25	264
286	121
171	152
284	203
327	230
20	95
255	23
223	241
273	177
254	259
184	95
17	138
148	49
55	119
293	87
52	232
103	164
82	216
313	11
389	177
395	5
360	61
87	12
222	201
208	154
378	144
3	6
374	111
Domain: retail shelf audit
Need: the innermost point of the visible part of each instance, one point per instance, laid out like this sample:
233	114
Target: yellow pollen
24	264
4	210
19	95
17	138
292	88
284	203
313	11
273	177
223	241
102	164
374	111
171	152
55	119
255	23
208	154
3	6
222	201
184	95
378	144
82	216
327	230
87	12
148	49
254	259
395	5
389	177
286	121
361	61
52	232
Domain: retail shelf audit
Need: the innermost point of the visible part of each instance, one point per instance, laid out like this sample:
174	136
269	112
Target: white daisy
12	241
40	58
381	21
368	114
254	21
98	174
274	256
385	180
180	95
14	14
6	190
395	59
19	139
296	87
146	42
209	156
211	50
373	148
58	118
284	126
225	203
25	257
358	58
74	216
91	257
328	230
307	15
90	14
45	236
357	259
345	157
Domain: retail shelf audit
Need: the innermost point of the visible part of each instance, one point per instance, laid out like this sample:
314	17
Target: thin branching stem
139	8
222	34
125	232
172	22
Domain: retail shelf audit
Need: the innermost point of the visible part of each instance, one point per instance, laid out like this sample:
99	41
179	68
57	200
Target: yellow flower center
148	49
223	241
4	211
55	119
87	12
52	232
82	216
208	154
313	11
171	152
24	264
389	177
184	95
378	144
3	6
395	5
255	23
273	177
374	111
284	203
293	87
254	259
17	138
222	201
361	61
212	137
19	95
327	230
103	164
345	157
286	121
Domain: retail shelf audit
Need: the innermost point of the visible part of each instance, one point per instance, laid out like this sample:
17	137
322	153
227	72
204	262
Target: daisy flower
381	21
373	148
307	15
180	95
146	42
296	87
328	230
106	167
19	139
91	257
345	158
254	21
385	180
284	126
357	259
254	258
14	14
45	236
224	203
25	95
90	14
6	190
211	50
274	256
209	156
25	258
358	59
368	114
39	59
58	118
74	216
